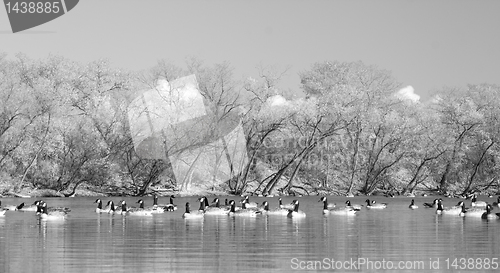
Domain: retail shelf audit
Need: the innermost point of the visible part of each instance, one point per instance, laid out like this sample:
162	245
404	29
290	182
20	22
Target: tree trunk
297	167
476	168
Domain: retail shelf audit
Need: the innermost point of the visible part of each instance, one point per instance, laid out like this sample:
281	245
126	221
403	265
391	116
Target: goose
243	211
205	201
325	203
244	205
296	213
497	203
38	204
134	211
193	214
110	207
19	207
277	211
490	215
11	207
99	206
51	209
123	209
216	203
340	211
459	205
287	207
2	210
353	206
216	209
439	209
203	204
412	205
431	205
227	205
347	210
472	212
455	210
160	208
157	208
249	204
475	203
32	207
171	206
152	209
326	206
46	214
374	205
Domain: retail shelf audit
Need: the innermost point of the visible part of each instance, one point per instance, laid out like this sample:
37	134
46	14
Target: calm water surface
90	242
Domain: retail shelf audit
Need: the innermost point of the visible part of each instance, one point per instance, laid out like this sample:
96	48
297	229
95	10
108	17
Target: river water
371	241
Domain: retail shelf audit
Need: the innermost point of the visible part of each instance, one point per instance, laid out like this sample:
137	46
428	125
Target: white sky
425	44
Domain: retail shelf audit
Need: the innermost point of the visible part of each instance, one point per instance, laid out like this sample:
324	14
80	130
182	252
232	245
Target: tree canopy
64	124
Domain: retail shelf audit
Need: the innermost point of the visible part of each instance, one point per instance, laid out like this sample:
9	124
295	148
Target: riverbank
88	191
85	190
301	188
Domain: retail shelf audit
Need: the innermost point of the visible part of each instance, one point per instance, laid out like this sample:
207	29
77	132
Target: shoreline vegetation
89	191
348	129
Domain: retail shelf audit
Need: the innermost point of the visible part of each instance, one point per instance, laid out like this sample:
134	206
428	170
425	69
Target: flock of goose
478	208
41	209
252	209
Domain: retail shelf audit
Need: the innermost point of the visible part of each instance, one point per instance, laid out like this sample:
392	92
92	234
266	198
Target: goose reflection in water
42	229
232	226
444	224
101	220
295	224
246	225
194	225
266	227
